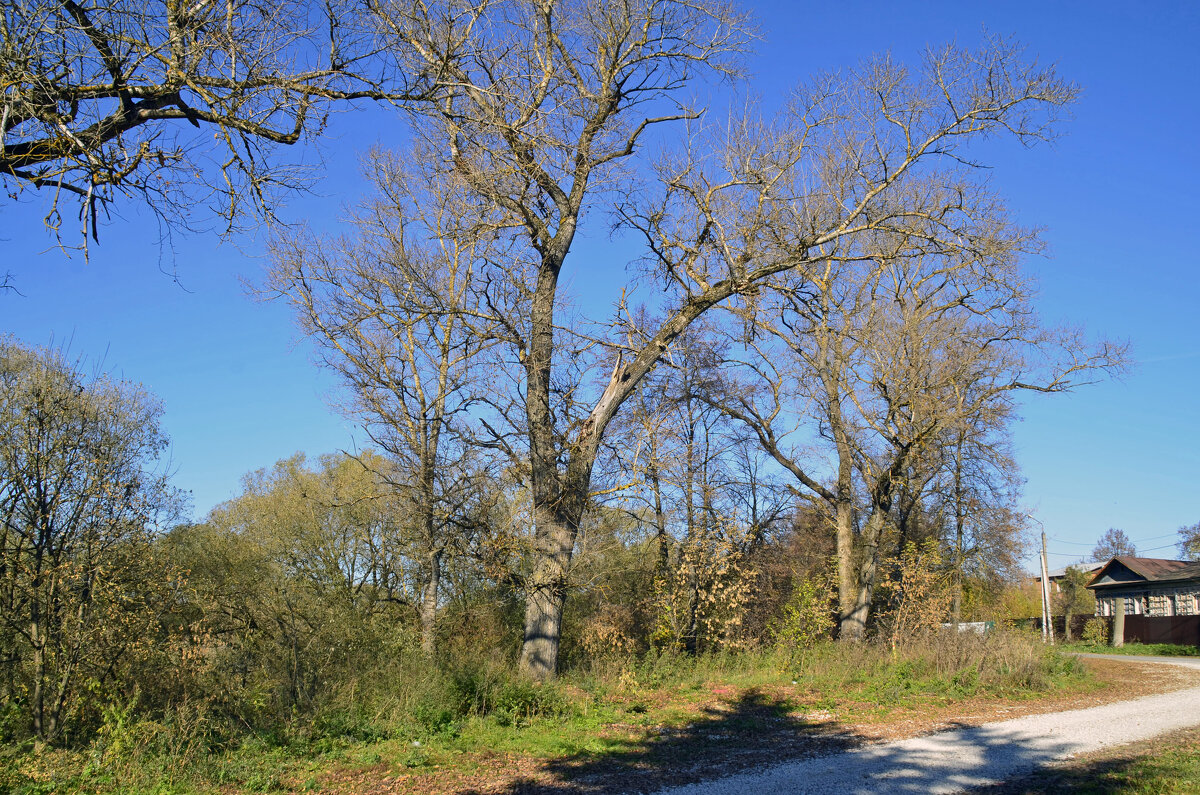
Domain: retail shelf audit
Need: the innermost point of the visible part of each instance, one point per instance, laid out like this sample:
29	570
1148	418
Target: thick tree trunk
429	603
854	625
546	592
543	622
37	699
559	497
829	370
554	526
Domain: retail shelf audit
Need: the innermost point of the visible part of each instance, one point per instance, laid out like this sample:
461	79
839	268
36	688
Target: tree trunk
829	370
558	505
660	524
854	625
960	531
546	592
37	700
429	604
845	561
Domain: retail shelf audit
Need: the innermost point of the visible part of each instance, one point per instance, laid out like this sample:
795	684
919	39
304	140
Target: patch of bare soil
738	731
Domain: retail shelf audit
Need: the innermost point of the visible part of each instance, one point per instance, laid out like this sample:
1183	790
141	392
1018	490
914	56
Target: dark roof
1146	570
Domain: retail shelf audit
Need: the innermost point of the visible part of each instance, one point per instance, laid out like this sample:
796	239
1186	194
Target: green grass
610	718
1146	649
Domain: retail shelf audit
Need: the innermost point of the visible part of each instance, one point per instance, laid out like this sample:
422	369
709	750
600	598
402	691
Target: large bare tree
904	364
539	108
540	104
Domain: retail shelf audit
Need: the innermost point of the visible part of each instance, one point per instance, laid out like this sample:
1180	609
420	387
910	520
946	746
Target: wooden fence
1182	630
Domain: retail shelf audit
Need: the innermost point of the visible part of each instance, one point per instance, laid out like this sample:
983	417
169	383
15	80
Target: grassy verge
1139	649
630	723
1165	765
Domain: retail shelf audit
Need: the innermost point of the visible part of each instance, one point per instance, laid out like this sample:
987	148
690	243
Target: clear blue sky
1116	195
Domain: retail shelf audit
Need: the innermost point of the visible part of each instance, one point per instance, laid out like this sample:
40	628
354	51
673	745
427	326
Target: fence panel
1182	630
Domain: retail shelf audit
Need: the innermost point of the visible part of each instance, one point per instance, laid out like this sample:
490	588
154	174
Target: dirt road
957	760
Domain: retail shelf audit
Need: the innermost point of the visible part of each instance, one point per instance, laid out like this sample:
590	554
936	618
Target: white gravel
955	760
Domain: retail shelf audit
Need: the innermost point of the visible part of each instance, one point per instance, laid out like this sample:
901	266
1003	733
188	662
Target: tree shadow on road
1107	777
1167	763
754	730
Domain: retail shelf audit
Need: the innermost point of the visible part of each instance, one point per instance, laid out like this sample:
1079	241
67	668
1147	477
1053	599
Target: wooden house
1150	587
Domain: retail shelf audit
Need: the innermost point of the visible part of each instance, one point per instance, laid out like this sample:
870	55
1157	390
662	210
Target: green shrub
518	702
435	718
807	616
1095	632
348	725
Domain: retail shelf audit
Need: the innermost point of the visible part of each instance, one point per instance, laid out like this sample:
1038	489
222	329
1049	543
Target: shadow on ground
750	732
777	753
1109	777
1123	773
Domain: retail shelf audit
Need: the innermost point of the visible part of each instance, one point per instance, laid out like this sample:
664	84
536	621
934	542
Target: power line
1164	546
1146	549
1134	540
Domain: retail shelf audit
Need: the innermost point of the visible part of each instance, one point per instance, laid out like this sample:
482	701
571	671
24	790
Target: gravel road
955	760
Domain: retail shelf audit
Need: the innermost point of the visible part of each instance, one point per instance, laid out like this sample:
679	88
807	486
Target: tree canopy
1114	542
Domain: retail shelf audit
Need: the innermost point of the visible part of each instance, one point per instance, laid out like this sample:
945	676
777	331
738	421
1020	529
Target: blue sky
1116	196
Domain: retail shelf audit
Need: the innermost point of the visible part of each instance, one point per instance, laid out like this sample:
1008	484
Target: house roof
1124	569
1084	567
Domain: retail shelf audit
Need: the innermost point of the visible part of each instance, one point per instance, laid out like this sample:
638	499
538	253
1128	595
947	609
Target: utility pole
1047	618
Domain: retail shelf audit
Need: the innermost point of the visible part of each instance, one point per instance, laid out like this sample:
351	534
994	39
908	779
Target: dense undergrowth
416	715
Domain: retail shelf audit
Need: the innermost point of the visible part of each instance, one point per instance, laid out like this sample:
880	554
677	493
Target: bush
1095	632
807	616
435	718
519	702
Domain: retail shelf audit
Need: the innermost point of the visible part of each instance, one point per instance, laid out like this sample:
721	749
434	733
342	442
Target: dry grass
621	724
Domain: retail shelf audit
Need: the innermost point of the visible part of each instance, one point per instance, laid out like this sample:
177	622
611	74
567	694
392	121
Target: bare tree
1189	542
642	455
1114	542
903	359
974	497
120	98
385	308
538	105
